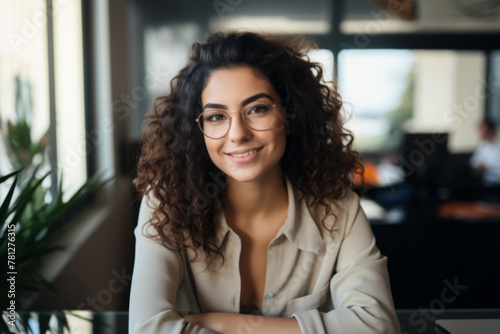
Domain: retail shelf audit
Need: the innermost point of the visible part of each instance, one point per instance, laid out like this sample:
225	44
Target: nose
238	130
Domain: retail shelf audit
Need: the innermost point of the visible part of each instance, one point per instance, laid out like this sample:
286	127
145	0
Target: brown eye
259	109
214	117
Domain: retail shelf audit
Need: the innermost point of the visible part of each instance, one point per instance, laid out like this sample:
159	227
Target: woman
247	223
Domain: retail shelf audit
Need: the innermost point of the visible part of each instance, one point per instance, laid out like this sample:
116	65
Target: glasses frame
197	120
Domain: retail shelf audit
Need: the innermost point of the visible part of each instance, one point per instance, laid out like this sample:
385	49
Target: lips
244	156
240	155
244	153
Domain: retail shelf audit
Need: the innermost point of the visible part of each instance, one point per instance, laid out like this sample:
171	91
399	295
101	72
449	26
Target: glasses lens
259	116
214	123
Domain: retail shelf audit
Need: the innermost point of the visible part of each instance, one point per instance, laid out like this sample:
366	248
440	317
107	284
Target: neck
248	202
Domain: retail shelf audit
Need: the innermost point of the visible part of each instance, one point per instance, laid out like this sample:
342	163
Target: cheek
279	140
212	148
208	146
281	123
280	130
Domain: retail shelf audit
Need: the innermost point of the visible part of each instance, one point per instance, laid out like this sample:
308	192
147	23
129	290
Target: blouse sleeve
158	272
360	287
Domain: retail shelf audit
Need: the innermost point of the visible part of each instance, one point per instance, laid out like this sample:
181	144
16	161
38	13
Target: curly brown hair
176	170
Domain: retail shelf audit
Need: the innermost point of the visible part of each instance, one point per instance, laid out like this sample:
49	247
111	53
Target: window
299	17
41	83
391	92
23	73
71	138
163	34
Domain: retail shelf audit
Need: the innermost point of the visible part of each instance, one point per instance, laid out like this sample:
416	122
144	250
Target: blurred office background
417	79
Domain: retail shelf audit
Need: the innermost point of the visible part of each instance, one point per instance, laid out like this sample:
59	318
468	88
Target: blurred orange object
468	210
370	174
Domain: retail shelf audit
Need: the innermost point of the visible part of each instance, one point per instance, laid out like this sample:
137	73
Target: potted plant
32	220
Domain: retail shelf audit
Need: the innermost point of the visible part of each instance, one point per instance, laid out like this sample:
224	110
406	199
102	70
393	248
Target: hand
234	323
210	321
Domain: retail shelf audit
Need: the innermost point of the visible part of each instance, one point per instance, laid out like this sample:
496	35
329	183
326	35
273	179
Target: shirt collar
300	227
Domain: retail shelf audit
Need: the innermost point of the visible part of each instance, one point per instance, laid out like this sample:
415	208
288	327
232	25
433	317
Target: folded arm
230	323
360	288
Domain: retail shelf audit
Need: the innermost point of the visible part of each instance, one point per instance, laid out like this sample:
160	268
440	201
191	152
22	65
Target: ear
287	129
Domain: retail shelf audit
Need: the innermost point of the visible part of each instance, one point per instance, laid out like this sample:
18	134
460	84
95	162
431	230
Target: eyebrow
244	103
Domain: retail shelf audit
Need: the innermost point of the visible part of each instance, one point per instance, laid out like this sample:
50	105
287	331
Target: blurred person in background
486	158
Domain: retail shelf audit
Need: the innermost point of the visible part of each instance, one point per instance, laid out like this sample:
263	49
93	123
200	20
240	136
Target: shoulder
148	218
345	207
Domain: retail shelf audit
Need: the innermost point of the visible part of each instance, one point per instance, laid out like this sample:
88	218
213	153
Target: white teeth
243	154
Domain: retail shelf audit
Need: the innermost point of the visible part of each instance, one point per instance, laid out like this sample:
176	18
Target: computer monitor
424	158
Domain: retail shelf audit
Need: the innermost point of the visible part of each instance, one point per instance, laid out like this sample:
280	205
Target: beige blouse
329	286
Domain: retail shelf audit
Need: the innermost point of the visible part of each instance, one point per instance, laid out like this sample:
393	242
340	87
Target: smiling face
244	154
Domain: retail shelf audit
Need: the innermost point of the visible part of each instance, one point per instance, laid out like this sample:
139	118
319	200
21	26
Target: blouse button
271	295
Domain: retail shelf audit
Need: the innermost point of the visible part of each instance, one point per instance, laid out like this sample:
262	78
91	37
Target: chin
242	177
245	176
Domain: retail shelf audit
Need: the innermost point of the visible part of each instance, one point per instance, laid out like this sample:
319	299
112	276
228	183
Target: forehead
233	85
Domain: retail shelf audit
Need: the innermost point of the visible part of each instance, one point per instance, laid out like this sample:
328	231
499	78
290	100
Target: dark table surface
421	321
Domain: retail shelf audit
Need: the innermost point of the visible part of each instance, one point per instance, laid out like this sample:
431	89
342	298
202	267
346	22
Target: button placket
269	289
235	281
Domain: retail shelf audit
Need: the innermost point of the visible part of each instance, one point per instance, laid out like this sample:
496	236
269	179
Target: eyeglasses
215	123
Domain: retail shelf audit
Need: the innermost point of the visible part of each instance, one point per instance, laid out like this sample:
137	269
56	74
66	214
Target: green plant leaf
38	228
43	321
4	209
8	176
4	328
25	196
62	322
